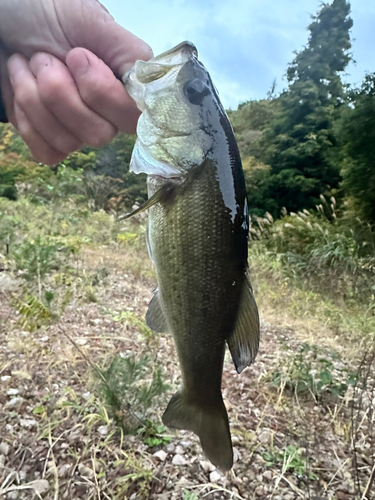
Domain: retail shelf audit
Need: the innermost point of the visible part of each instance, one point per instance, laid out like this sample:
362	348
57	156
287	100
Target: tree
257	176
11	167
102	176
248	122
327	53
106	177
299	144
358	135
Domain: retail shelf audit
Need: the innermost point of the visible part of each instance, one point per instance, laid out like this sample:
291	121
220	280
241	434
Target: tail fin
211	426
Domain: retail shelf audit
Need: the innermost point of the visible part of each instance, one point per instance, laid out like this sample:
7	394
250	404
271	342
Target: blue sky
245	44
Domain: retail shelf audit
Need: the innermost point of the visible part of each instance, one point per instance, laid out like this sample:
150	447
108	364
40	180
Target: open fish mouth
159	66
170	137
158	72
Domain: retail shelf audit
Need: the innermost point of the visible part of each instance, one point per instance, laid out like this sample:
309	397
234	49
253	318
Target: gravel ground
58	441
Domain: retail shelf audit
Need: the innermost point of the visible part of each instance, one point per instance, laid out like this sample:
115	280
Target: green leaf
39	410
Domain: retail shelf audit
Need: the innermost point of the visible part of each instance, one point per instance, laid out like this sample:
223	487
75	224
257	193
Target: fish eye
195	90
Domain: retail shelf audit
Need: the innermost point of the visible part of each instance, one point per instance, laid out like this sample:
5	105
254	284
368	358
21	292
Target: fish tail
210	425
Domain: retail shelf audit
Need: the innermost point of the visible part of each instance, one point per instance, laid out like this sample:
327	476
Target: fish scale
203	273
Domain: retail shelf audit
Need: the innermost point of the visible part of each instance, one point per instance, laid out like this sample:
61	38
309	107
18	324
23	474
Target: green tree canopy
358	135
299	143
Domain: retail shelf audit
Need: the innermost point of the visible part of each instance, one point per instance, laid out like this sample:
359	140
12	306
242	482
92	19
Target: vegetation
299	143
358	143
73	290
316	137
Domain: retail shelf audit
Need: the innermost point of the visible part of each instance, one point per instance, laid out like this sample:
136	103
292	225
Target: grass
63	256
289	299
130	386
311	371
74	419
290	458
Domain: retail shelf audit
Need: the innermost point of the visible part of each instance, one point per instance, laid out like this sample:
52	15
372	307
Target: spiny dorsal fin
244	340
155	318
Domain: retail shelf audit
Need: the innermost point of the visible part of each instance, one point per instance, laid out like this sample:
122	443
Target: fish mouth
175	177
159	66
179	54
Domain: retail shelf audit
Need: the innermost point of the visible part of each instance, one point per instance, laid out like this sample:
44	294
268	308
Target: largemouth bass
197	237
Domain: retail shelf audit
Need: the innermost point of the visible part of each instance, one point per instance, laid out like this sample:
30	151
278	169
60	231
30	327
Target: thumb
97	31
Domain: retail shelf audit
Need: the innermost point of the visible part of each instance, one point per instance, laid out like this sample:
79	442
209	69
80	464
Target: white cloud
244	43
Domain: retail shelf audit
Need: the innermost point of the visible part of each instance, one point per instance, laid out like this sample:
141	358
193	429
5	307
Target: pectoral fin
155	318
164	194
244	340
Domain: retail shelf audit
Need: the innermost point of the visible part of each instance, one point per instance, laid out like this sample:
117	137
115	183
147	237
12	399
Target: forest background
309	162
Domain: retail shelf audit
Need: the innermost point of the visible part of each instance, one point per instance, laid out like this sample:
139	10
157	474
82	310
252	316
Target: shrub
312	371
326	250
130	388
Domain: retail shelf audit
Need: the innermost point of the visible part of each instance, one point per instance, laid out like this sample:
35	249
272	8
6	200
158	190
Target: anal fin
155	318
243	342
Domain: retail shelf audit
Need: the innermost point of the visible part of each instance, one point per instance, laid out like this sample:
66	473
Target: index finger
101	91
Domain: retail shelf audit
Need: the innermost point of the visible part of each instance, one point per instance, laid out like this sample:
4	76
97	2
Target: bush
36	258
312	371
322	248
11	167
129	387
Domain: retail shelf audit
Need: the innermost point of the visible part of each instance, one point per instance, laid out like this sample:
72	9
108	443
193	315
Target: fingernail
40	61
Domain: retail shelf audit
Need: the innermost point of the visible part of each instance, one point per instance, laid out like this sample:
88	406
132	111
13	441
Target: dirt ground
59	441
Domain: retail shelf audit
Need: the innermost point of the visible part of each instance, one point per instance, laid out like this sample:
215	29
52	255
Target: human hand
58	61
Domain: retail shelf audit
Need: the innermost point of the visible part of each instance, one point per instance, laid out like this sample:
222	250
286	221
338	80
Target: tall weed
326	251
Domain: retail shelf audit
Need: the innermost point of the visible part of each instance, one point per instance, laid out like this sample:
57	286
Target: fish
197	237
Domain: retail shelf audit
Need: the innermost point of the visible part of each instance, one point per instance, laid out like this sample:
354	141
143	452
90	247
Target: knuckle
49	157
99	138
95	91
24	97
44	153
50	92
66	145
25	131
